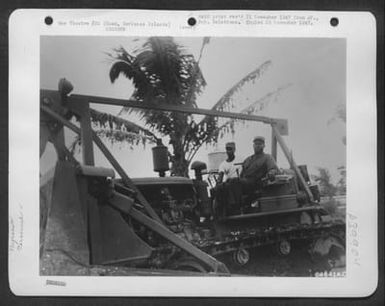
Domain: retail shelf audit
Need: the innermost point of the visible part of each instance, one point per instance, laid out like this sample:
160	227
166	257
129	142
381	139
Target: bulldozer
163	225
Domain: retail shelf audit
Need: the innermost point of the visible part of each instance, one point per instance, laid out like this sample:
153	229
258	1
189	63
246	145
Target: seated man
254	168
257	166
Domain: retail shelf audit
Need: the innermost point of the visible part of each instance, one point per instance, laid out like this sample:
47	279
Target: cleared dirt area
263	262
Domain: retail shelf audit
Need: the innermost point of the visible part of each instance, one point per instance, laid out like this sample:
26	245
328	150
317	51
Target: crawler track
261	244
251	238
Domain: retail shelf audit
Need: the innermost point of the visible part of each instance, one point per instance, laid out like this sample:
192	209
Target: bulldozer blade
77	231
64	235
119	241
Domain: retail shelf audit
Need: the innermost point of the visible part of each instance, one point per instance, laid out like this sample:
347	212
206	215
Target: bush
331	206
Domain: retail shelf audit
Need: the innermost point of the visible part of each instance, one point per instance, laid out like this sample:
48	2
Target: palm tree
162	72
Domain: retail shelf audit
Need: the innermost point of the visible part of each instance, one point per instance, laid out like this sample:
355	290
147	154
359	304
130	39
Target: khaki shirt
256	167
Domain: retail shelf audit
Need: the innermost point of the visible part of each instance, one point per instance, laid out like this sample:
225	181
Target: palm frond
252	109
126	64
263	102
204	131
161	58
122	63
124	137
196	77
209	123
119	124
208	131
225	101
118	68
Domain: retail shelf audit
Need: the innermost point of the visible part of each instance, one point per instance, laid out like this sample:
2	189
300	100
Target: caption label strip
247	19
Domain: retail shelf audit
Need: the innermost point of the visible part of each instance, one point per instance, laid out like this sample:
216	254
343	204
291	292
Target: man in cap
257	166
228	168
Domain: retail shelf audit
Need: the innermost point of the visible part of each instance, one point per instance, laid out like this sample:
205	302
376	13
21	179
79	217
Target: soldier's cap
230	145
259	138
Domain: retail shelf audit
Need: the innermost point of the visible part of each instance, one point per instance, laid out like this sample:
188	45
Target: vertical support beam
293	165
92	209
86	135
273	145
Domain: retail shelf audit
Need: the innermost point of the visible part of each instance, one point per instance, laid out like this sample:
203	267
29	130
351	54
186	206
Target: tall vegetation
327	187
162	72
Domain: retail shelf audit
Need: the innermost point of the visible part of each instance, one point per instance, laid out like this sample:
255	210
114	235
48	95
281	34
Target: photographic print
175	156
288	217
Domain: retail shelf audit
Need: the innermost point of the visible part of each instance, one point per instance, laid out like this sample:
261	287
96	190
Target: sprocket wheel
241	256
283	247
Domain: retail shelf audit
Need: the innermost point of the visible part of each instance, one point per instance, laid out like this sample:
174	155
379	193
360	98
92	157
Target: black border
376	7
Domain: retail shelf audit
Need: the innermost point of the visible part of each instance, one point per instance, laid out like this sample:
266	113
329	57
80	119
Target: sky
312	71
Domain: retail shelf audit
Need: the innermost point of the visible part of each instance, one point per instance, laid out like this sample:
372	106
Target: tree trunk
180	168
179	163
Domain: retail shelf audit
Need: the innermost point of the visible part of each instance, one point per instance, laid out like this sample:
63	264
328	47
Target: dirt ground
263	262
